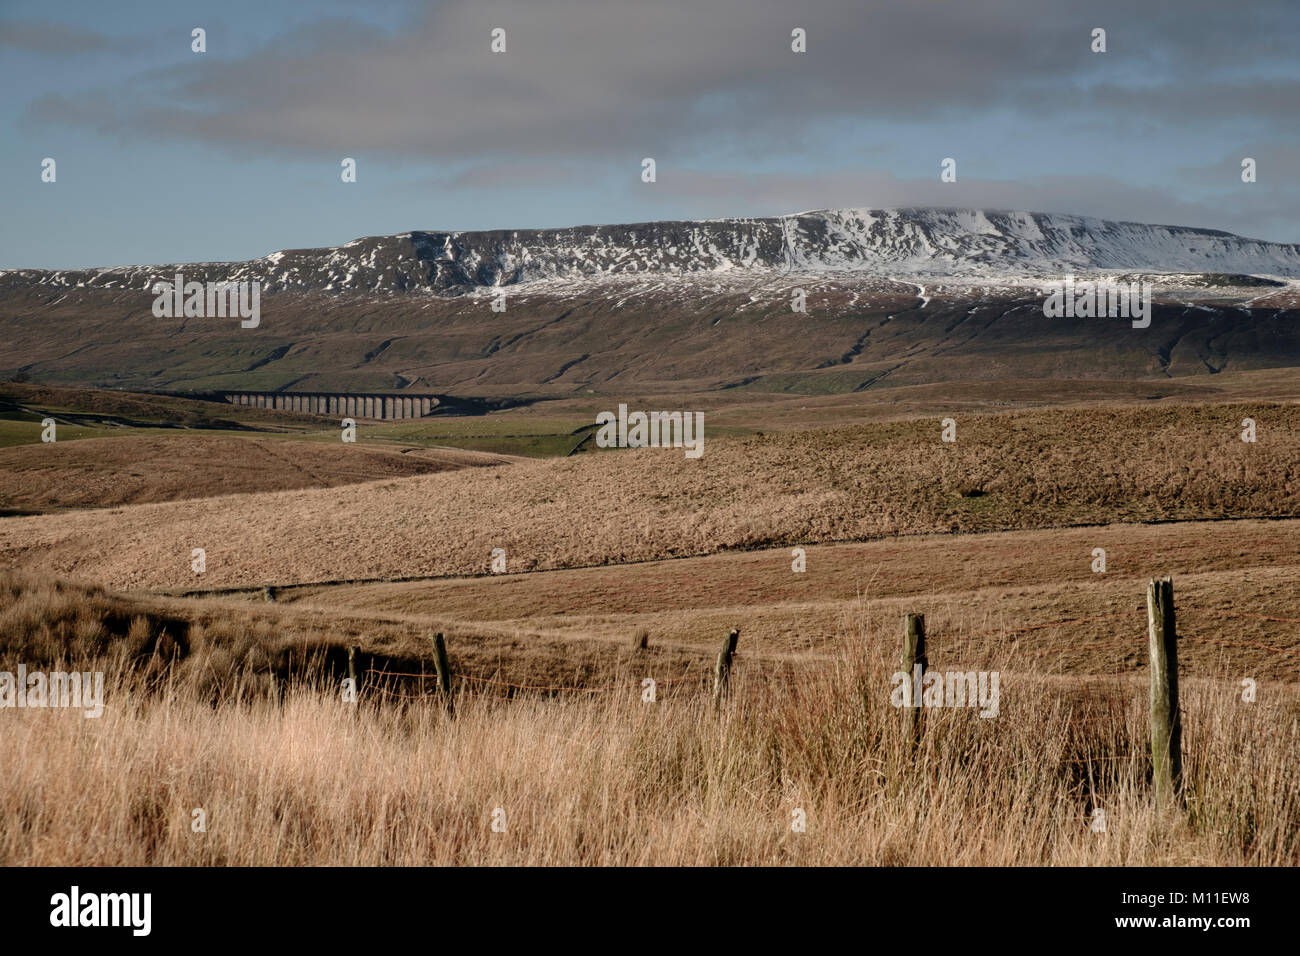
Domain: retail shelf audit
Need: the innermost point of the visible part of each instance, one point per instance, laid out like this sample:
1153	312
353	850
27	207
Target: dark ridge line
585	438
565	367
747	380
876	378
375	352
273	356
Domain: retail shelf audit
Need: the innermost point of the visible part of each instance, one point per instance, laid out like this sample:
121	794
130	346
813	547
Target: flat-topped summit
869	242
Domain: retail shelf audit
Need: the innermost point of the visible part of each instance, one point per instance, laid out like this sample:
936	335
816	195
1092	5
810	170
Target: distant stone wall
341	405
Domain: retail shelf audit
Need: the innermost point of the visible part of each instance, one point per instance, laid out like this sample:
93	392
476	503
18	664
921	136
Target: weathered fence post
443	669
1166	722
640	640
913	657
352	670
722	673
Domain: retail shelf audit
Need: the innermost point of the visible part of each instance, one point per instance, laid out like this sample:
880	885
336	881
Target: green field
27	431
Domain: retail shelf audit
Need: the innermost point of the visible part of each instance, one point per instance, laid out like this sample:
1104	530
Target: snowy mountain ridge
981	245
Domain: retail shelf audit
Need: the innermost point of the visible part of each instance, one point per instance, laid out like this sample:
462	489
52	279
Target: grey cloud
589	82
520	175
595	78
1277	167
37	36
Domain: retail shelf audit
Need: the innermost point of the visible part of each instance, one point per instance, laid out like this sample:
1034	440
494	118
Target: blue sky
166	155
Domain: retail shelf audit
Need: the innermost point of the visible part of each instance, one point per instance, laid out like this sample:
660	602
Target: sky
163	154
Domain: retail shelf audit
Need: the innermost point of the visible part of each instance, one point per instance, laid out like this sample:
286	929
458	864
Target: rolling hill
1022	470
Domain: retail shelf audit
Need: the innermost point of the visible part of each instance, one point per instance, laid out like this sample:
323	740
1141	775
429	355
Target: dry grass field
288	774
1032	469
221	699
111	472
1028	597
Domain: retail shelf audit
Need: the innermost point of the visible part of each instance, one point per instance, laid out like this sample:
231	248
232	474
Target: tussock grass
64	625
297	777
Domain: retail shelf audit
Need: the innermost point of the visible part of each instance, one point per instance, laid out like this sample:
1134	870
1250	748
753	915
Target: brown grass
1030	469
48	623
231	704
302	779
1033	592
111	472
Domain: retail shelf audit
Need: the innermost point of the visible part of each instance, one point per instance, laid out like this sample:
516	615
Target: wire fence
1098	726
380	680
1139	617
531	688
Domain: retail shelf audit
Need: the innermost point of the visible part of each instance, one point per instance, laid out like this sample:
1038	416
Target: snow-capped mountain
888	243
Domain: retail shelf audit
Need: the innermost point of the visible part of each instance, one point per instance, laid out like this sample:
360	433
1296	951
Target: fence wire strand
1133	614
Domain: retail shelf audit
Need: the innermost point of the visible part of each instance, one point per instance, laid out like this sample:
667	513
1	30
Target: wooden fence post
1166	722
352	670
443	669
914	655
722	672
640	640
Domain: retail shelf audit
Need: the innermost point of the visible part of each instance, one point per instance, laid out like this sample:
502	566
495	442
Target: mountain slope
886	243
892	297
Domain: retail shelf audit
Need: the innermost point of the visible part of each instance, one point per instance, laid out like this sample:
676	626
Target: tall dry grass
600	779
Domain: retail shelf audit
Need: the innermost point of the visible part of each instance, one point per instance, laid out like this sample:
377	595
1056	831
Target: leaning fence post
1166	722
913	657
443	668
722	672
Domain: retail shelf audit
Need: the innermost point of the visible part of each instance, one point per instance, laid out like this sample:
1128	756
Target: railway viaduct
349	405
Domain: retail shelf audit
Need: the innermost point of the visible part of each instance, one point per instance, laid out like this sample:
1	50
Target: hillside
110	472
893	297
1006	471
